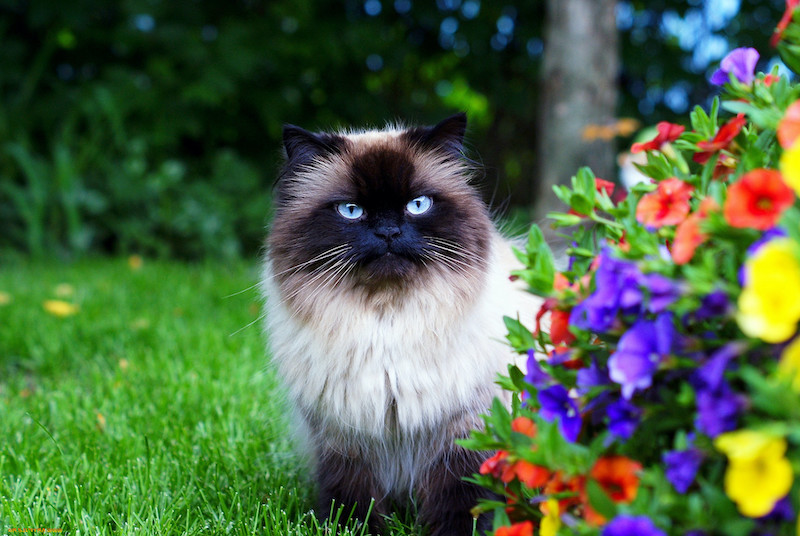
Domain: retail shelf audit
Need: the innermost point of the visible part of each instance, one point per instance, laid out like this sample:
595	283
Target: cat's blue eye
419	205
351	211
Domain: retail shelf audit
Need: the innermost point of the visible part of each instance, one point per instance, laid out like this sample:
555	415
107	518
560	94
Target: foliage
661	394
154	127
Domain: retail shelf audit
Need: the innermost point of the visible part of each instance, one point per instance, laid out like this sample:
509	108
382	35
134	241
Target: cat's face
377	211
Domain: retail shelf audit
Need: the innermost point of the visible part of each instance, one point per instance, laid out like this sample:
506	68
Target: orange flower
668	205
618	476
688	234
532	475
517	529
721	140
789	127
667	132
558	484
757	200
524	425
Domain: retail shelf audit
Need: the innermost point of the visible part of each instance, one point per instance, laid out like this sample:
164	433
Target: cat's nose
387	232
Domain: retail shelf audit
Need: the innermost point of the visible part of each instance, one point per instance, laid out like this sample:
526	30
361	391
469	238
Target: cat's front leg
347	479
446	500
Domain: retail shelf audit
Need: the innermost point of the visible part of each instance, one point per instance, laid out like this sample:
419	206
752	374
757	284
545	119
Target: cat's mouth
388	267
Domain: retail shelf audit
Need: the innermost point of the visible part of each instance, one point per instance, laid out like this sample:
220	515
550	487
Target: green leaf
599	500
520	337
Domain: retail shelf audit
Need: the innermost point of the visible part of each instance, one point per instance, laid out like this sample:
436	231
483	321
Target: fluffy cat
386	283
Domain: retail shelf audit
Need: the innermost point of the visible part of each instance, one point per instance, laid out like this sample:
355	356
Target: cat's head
379	211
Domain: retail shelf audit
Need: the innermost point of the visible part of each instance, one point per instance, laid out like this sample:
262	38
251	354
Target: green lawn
149	410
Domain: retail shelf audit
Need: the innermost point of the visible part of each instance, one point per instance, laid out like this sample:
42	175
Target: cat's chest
383	372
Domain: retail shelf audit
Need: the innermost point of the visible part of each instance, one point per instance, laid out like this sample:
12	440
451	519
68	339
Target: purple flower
662	291
536	376
615	286
592	376
713	305
632	526
623	418
557	404
717	410
640	351
711	375
681	467
741	62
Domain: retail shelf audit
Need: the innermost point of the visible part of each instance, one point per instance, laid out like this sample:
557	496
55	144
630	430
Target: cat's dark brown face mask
377	211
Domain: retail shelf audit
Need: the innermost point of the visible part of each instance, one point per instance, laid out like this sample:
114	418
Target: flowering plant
662	392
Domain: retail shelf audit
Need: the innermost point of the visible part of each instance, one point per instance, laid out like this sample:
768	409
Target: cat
386	283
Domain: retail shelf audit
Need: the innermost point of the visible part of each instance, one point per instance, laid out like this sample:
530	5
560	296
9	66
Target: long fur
387	372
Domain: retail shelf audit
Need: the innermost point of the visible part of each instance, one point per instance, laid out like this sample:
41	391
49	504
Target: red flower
667	132
757	200
494	466
558	484
789	127
770	79
688	234
517	529
784	22
559	327
668	205
721	140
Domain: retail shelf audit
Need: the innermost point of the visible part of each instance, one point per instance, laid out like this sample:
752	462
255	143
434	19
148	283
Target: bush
667	402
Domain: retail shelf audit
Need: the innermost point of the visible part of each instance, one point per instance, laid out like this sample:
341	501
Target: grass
150	410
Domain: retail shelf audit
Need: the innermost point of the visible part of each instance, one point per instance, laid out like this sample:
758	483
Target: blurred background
153	127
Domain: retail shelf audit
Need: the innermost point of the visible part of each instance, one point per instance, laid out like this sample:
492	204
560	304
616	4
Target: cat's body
387	327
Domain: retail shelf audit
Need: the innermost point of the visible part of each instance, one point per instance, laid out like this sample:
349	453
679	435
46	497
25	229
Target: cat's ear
447	134
302	145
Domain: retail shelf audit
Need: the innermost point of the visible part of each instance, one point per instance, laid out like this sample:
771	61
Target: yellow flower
769	307
789	366
551	522
5	298
790	166
758	474
60	308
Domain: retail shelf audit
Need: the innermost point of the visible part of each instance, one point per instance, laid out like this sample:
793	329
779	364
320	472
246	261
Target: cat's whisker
336	250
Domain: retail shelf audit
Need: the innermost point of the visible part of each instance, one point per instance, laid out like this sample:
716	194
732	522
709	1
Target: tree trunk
579	88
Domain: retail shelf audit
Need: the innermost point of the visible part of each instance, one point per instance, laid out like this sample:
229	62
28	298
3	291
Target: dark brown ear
447	135
302	145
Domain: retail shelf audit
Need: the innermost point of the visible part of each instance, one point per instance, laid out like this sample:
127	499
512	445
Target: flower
667	132
524	426
768	305
532	475
741	62
632	526
668	205
5	298
517	529
789	365
60	308
640	351
757	200
688	235
783	23
725	135
623	418
618	476
494	465
789	165
551	521
717	410
557	404
681	467
758	474
535	375
789	126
